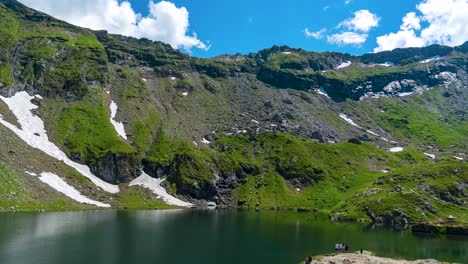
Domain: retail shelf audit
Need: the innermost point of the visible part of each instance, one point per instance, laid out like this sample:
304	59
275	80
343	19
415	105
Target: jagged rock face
117	168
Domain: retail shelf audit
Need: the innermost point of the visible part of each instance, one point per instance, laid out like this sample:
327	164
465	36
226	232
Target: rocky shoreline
440	229
366	258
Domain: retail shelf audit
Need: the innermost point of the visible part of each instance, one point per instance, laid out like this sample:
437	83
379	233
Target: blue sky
227	27
250	25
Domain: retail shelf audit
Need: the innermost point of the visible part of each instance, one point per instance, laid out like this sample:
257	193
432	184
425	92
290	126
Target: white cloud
401	39
165	22
363	21
347	38
447	24
347	2
411	21
358	26
316	35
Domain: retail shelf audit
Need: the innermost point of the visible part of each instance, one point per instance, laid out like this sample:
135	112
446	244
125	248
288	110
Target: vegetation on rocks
262	131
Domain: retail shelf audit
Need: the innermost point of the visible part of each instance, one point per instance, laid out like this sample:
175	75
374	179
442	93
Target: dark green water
207	237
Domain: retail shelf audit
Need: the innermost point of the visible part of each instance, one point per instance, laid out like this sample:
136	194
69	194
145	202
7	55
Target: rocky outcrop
117	168
366	258
440	229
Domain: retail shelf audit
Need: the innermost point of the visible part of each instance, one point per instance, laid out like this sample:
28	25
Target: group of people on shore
339	248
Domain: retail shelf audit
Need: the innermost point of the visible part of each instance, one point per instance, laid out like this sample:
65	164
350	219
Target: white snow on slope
431	59
119	127
155	186
458	158
323	92
432	156
33	133
349	120
396	149
31	173
386	64
405	94
344	65
206	141
372	133
61	186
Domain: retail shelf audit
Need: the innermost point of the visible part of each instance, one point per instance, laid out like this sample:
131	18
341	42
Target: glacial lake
202	236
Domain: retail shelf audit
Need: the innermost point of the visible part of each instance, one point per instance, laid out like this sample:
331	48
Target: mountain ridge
281	128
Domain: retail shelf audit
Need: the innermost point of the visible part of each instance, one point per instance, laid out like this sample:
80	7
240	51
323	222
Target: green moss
9	27
144	131
411	189
89	42
84	128
164	149
6	74
24	194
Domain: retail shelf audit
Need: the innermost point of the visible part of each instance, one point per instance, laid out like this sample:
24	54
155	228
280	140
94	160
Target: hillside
380	137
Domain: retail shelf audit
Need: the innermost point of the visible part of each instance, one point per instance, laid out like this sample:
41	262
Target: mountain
94	119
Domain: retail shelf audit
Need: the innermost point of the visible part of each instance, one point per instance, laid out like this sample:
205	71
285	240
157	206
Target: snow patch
195	143
286	52
173	78
458	158
31	173
431	59
119	127
255	121
206	141
348	120
33	133
372	133
323	92
185	93
405	94
344	65
154	185
38	96
61	186
385	64
396	149
385	171
144	79
432	156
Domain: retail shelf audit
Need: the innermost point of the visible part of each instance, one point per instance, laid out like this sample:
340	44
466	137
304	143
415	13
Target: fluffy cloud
165	22
363	21
447	24
411	21
347	38
316	35
358	26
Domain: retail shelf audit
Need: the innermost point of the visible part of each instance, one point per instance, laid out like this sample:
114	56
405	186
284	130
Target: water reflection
197	236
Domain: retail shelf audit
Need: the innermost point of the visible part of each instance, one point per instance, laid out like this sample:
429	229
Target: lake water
196	236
